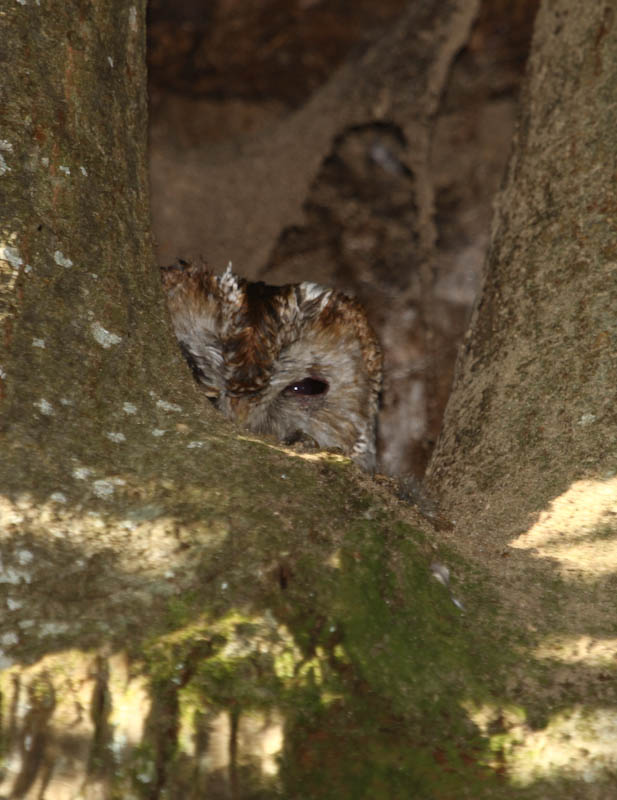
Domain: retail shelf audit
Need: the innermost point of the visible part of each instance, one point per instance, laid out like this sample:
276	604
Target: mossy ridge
364	677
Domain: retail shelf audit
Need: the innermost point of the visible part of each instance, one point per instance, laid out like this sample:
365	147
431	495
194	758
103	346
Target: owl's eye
307	386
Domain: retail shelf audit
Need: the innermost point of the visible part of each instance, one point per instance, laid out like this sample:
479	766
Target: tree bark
533	406
526	460
191	612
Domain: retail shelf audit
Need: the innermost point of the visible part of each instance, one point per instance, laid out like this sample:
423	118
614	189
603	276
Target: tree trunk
526	459
191	612
533	406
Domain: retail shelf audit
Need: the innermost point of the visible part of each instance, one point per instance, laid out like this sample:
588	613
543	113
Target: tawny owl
297	361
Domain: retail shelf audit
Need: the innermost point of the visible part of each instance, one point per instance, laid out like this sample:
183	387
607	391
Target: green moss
361	652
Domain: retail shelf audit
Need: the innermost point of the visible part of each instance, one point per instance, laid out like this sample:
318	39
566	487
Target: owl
298	362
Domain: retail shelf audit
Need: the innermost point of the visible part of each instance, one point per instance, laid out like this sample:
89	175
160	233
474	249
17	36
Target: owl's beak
239	409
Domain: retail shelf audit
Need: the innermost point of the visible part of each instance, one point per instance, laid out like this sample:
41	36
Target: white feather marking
228	284
361	445
313	290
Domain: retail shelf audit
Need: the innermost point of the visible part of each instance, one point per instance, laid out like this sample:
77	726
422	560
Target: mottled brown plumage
293	361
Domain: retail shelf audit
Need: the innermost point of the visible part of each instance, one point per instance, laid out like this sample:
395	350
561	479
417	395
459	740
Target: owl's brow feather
250	353
266	320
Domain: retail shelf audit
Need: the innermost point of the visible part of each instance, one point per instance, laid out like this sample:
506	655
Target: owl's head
291	361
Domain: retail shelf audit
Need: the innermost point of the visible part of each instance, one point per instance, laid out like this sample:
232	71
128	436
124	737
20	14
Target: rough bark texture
174	628
533	407
77	277
526	461
401	78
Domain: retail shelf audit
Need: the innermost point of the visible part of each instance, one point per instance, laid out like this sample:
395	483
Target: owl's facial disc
307	387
